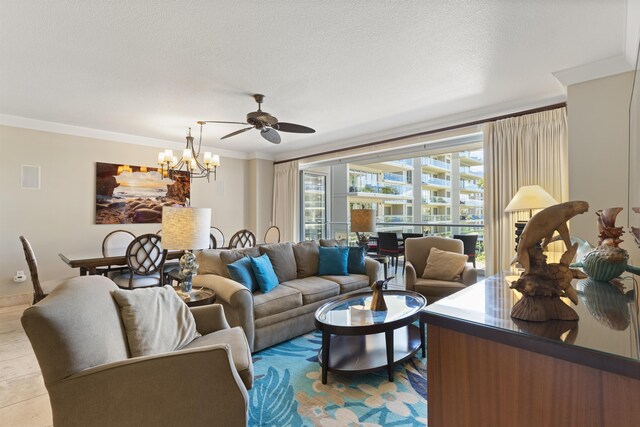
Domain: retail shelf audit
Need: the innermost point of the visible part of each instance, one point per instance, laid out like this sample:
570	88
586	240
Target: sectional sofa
288	310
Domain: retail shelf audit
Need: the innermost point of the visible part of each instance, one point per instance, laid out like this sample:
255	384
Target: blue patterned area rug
288	391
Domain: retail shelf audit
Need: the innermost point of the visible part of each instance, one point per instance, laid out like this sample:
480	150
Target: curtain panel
286	200
525	150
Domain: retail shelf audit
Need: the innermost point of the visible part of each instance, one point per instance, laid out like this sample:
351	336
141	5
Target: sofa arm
372	269
209	318
410	276
134	392
469	274
235	299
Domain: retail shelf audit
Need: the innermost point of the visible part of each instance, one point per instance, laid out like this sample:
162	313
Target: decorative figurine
635	231
543	284
607	261
377	302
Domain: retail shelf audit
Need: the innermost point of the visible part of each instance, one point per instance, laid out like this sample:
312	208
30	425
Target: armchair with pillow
103	367
436	267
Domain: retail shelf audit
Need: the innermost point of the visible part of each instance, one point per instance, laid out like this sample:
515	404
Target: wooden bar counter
486	369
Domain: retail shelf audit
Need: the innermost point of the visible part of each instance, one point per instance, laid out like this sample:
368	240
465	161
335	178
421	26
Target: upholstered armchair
81	346
416	254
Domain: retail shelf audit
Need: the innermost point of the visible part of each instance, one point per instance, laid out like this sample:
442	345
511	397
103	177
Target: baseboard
18	299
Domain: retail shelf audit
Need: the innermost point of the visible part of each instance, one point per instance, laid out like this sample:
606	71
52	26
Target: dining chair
115	244
406	236
388	245
242	239
40	289
272	235
216	238
145	259
469	241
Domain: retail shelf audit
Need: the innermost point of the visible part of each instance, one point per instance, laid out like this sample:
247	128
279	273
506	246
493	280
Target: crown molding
61	128
594	70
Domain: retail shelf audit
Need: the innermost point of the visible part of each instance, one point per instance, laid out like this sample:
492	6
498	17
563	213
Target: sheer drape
286	200
519	151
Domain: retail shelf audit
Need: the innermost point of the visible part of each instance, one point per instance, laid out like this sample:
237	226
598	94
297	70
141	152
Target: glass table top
356	310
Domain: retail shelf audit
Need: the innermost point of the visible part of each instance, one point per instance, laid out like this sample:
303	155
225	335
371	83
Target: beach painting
128	194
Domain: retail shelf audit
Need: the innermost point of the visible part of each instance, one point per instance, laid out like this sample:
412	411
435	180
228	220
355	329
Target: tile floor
23	397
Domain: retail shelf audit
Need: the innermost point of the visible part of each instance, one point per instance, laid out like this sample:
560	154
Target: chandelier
190	161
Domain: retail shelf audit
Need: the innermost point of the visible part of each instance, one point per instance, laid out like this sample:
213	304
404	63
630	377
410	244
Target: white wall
60	216
598	115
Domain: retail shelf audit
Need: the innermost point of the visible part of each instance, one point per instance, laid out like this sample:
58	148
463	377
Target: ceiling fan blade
292	127
229	123
237	132
270	135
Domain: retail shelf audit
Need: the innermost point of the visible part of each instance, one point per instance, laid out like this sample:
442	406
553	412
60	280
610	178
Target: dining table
89	262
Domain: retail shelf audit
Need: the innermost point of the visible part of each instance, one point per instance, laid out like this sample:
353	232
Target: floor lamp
528	198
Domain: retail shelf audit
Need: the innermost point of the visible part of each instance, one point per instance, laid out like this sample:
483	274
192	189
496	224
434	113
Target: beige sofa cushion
240	352
349	283
443	265
329	243
210	263
156	320
307	256
281	298
314	289
233	255
282	260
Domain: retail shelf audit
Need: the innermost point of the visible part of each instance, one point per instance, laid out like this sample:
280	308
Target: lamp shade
363	220
185	228
530	197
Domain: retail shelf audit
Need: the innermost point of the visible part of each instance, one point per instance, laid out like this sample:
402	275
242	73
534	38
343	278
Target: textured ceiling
346	68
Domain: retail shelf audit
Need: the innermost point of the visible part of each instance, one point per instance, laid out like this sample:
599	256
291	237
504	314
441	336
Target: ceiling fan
267	124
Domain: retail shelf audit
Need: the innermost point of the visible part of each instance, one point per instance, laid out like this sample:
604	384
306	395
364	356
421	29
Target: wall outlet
19	277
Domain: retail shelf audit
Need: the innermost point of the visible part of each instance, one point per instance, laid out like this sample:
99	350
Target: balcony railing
468	170
472	155
437	200
435	181
389	189
471	202
394	177
469	186
436	218
404	162
428	161
395	218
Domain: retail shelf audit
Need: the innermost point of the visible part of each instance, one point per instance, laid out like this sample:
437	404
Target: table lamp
529	197
186	229
363	221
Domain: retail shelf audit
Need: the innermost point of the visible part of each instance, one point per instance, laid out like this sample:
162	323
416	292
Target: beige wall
60	216
598	114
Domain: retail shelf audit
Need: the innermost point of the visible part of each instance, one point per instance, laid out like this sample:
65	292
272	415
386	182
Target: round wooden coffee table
366	340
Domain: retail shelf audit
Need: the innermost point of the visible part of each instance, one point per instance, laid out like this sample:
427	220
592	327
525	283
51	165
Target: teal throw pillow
333	261
241	272
263	270
355	264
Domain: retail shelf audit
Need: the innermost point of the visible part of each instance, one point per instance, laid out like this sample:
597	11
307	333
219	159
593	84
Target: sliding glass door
314	206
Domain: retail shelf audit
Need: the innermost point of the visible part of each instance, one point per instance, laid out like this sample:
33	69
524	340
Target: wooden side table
197	297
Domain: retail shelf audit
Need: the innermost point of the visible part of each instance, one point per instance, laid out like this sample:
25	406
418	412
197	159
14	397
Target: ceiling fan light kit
190	161
267	124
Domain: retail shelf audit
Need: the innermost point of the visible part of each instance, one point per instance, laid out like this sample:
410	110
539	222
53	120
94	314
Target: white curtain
525	150
286	200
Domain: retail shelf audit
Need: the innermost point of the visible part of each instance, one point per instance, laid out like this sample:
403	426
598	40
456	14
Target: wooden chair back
216	238
388	243
242	239
38	293
145	255
469	241
272	235
116	243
